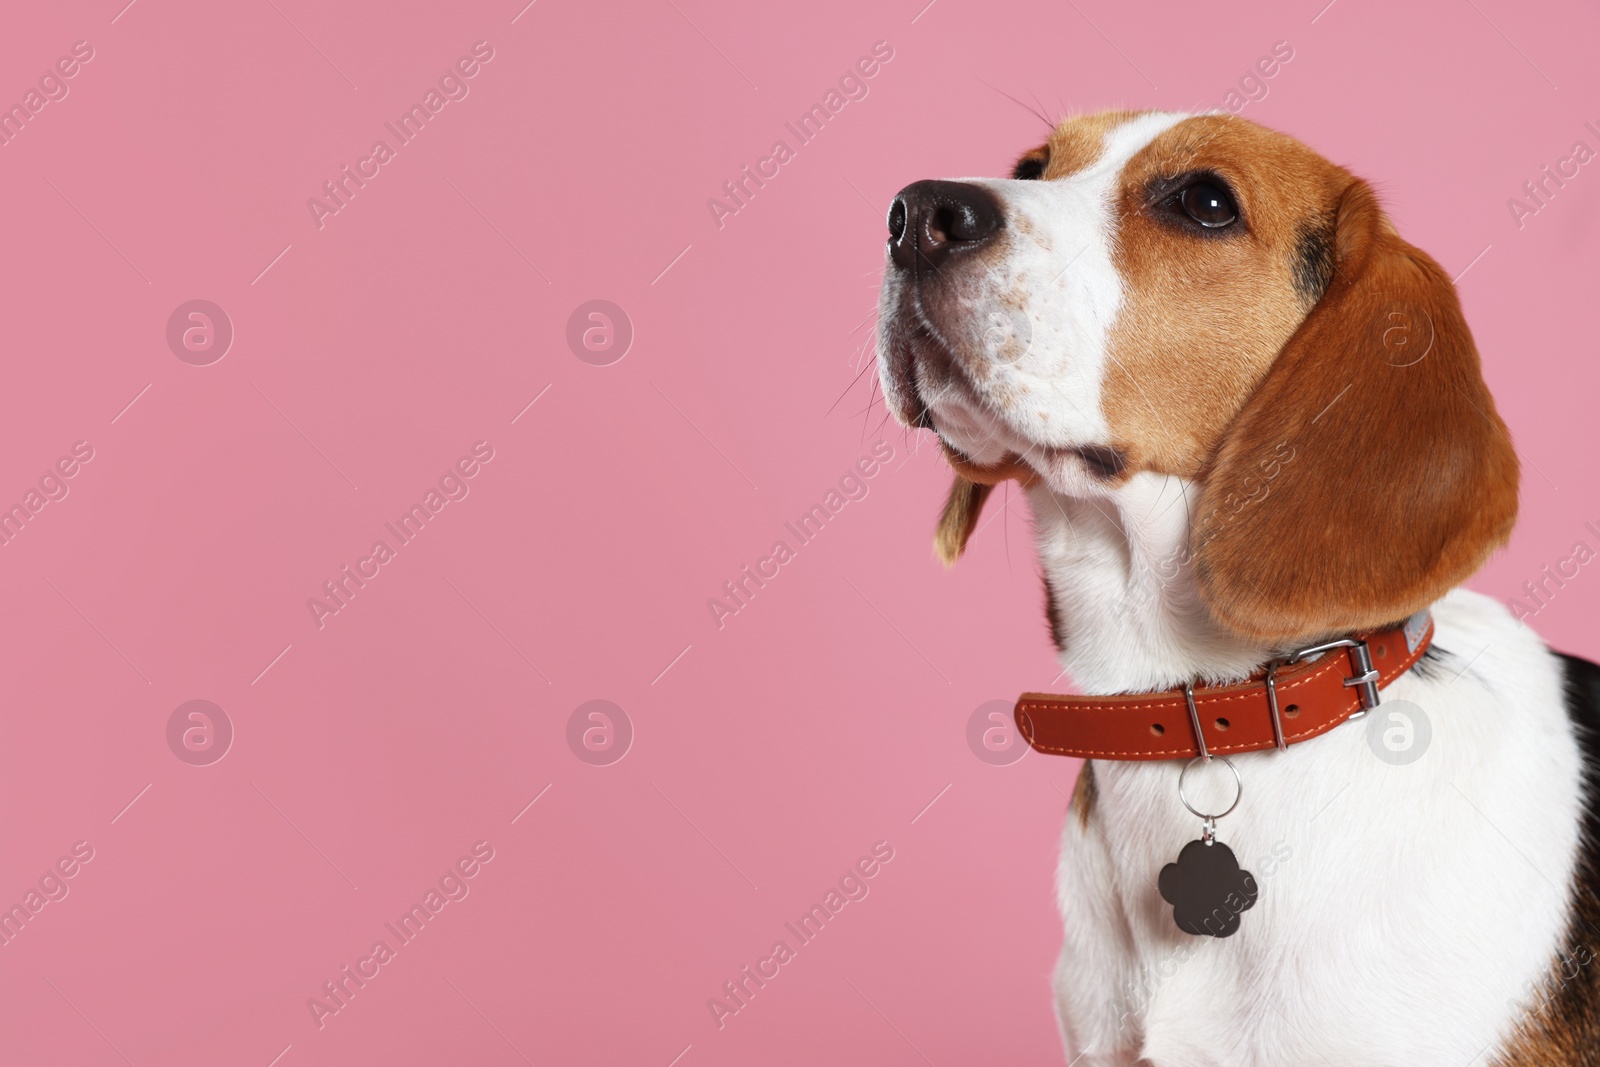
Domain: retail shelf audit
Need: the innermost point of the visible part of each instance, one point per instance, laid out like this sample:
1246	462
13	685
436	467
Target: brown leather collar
1294	699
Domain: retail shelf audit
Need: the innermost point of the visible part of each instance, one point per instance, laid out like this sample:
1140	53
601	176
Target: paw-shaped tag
1207	889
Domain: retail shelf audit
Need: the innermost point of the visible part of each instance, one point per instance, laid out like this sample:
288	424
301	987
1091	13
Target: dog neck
1122	596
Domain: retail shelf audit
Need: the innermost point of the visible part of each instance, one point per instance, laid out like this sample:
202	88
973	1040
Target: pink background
427	714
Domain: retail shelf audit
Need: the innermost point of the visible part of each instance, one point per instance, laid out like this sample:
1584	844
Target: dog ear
959	518
1369	472
964	505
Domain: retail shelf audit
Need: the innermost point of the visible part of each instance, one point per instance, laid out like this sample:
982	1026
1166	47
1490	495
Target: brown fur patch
1083	794
1205	315
959	518
1078	142
1562	1028
964	504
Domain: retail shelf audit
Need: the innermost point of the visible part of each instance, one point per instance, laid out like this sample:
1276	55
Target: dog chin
928	387
962	430
931	392
982	440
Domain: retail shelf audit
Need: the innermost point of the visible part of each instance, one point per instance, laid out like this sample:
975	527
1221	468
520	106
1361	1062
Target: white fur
1405	911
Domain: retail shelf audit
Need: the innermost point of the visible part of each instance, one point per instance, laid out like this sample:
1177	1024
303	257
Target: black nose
931	221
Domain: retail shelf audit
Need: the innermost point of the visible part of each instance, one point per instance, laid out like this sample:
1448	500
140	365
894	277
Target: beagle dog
1253	432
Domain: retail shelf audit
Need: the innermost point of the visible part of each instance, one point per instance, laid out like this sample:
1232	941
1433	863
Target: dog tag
1207	888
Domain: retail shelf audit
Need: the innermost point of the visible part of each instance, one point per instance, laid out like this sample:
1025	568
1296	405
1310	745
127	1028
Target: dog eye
1209	205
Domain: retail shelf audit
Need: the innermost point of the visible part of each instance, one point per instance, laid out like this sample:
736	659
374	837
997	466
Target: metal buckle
1364	682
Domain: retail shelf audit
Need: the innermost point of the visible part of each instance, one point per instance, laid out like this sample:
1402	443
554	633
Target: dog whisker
1040	115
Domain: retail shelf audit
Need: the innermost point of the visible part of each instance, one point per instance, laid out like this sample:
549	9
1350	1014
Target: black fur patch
1052	614
1430	666
1030	167
1313	263
1562	1028
1580	997
1104	462
1582	682
1028	170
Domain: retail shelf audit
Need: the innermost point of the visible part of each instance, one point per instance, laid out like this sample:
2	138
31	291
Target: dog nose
930	221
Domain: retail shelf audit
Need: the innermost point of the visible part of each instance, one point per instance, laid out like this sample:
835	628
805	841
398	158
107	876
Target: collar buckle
1364	681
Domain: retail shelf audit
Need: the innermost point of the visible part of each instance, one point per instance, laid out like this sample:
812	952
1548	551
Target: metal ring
1238	786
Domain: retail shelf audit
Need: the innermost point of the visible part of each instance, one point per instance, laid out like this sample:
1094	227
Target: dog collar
1296	698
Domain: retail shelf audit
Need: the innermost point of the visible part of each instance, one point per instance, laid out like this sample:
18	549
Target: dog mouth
930	375
943	399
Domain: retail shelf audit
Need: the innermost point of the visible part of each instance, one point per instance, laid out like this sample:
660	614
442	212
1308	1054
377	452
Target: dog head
1200	297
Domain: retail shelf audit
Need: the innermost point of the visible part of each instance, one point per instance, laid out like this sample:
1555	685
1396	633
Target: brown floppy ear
1369	473
964	505
959	518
